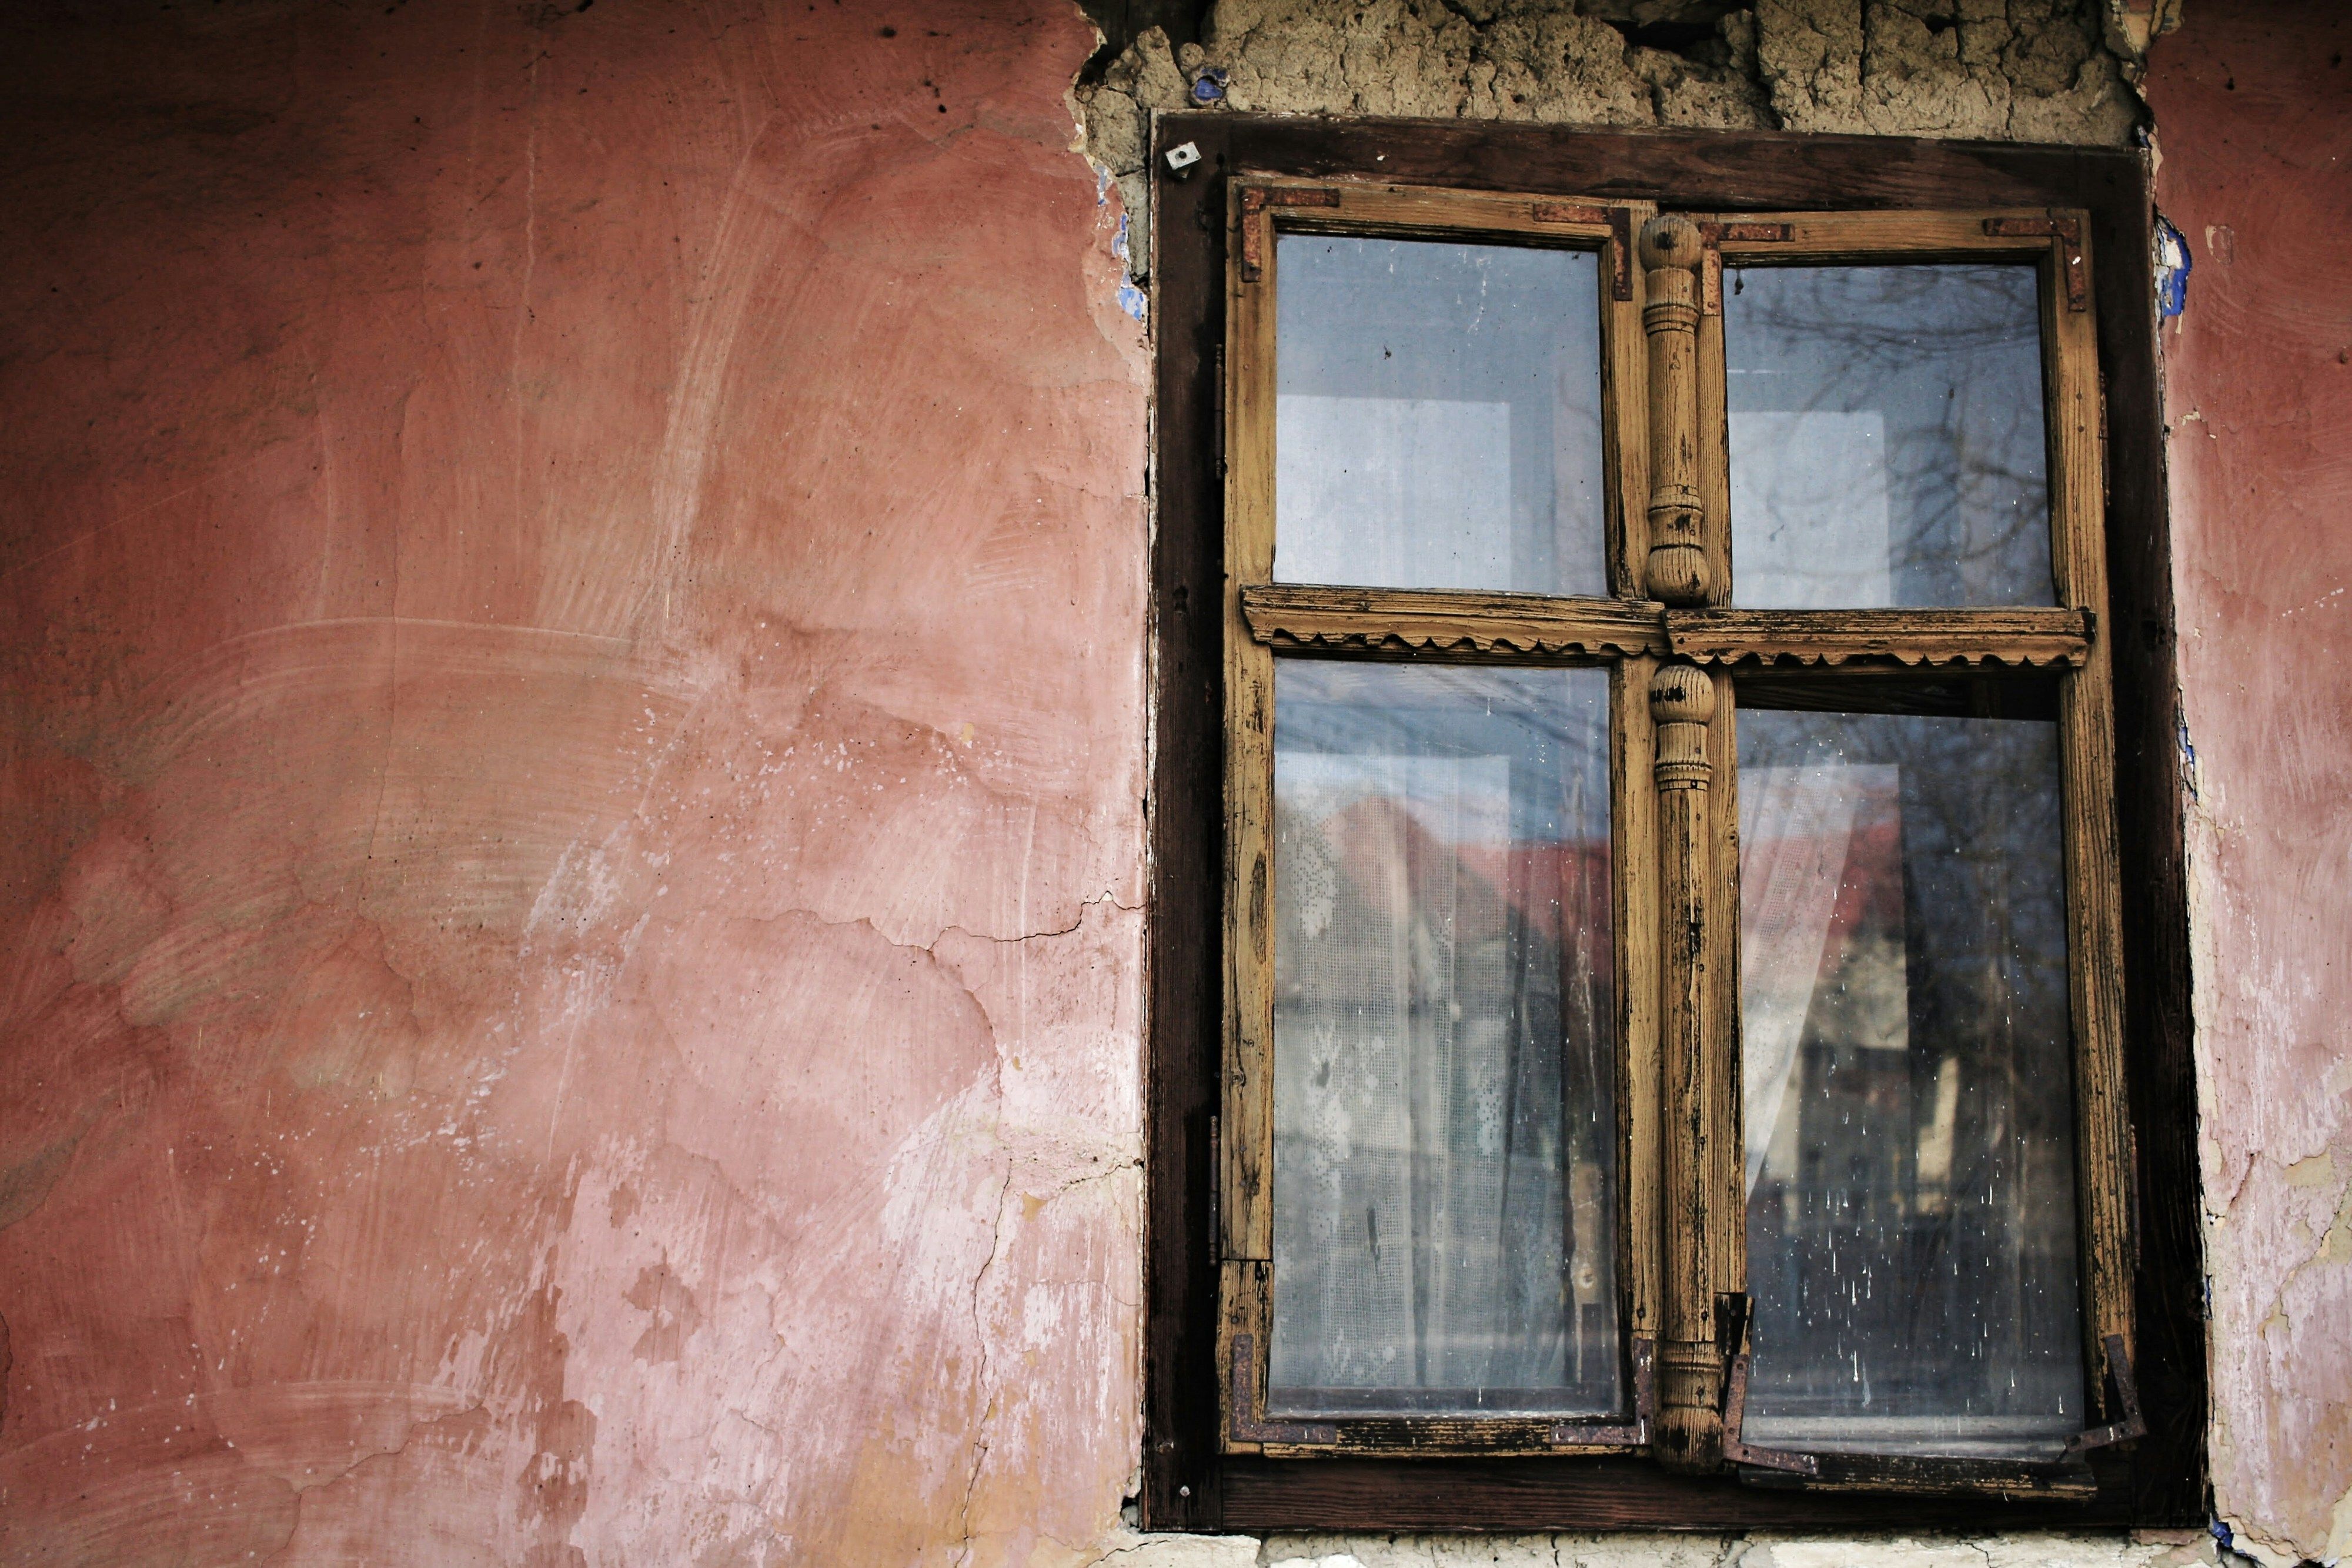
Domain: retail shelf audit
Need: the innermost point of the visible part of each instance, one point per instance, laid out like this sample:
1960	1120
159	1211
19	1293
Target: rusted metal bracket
1620	229
1245	1425
1255	200
1585	1434
1710	272
2068	232
2134	1424
1735	1411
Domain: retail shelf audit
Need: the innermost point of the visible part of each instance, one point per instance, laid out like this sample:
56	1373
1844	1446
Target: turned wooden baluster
1671	249
1690	1435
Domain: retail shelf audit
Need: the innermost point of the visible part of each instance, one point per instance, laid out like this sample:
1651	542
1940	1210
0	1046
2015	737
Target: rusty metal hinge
1619	1435
2068	232
1255	200
1246	1424
1734	1414
2134	1424
1734	1321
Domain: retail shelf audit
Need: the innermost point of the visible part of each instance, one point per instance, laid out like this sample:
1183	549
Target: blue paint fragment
2172	267
2188	753
1131	299
1209	87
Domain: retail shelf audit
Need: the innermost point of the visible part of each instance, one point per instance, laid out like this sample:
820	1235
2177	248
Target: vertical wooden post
1671	249
1690	1435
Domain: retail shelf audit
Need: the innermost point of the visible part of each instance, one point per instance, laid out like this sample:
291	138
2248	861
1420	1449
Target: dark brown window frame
1188	1483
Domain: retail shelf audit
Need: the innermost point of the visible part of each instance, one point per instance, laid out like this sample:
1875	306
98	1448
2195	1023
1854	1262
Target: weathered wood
1942	231
1714	438
1299	616
1634	802
2104	1163
1689	1431
1246	1199
1625	410
1676	569
1605	1493
2020	638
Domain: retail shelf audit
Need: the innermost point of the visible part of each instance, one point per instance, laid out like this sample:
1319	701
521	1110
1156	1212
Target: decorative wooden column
1690	1435
1671	248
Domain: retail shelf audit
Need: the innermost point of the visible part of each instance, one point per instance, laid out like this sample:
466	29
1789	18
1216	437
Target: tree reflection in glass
1887	446
1905	1067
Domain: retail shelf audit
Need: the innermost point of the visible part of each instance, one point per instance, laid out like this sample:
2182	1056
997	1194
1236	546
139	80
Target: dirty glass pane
1438	416
1887	446
1904	1053
1443	1143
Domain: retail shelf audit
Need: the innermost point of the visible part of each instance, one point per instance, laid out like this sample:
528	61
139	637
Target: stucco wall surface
572	751
2253	105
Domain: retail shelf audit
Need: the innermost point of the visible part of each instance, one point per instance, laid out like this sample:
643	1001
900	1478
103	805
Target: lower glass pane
1904	1065
1444	1160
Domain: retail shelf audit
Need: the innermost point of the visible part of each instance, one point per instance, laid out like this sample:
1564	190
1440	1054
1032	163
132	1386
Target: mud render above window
1668	904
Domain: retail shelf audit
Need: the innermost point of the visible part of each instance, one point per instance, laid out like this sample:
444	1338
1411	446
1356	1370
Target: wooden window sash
1373	624
1649	397
2068	639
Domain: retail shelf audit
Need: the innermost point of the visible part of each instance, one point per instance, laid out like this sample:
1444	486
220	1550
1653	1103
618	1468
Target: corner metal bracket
1713	233
1245	1425
2127	1400
1735	1413
2068	233
1618	1434
1255	199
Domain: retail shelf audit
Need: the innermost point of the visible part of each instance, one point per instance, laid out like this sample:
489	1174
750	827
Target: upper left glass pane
1437	416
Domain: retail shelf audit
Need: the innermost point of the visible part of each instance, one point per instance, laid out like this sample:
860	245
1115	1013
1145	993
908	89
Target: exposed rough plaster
2010	71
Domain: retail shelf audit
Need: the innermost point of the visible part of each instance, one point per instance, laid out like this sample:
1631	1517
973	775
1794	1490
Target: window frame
1211	1465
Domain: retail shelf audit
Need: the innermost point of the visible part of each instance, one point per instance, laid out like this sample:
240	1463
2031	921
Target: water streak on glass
1904	1049
1444	1160
1437	420
1887	446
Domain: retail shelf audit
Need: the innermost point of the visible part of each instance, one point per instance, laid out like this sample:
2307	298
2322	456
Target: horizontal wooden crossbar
1396	623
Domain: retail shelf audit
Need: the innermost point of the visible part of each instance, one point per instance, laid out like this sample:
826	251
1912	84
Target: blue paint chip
2172	268
1131	299
1209	87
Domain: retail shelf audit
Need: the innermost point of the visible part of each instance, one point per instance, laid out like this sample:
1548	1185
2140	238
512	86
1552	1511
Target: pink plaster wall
2253	105
571	756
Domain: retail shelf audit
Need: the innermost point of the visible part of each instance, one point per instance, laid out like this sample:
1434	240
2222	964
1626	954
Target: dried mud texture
572	757
2016	70
2257	129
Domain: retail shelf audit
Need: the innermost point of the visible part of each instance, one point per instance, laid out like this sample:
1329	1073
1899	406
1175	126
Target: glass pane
1904	1050
1886	438
1438	417
1445	1152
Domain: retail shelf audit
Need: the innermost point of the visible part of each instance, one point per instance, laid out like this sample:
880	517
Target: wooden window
1668	896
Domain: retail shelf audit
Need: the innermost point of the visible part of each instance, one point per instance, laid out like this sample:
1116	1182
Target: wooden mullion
2054	637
